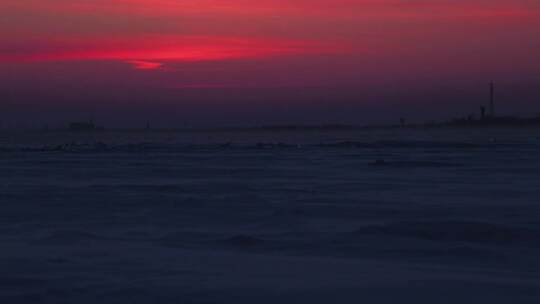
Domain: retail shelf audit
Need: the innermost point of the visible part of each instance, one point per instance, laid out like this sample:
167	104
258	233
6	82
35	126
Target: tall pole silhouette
492	99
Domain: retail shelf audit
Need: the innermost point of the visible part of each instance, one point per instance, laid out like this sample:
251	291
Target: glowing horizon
48	46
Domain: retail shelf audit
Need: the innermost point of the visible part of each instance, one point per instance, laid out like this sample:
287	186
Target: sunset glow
269	151
214	44
152	52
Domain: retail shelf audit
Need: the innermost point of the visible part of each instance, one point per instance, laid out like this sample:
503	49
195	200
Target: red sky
112	46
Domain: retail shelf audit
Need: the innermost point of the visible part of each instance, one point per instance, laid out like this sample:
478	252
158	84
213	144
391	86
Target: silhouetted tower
483	112
492	99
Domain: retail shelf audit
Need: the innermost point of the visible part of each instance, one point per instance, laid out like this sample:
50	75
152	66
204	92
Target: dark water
240	217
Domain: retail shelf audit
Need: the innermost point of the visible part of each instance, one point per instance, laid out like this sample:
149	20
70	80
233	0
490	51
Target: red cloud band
150	52
441	8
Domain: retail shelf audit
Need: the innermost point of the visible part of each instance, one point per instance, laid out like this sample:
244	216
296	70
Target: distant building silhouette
82	126
482	112
402	121
489	116
492	100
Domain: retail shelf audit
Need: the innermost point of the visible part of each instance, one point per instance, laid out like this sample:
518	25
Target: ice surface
386	216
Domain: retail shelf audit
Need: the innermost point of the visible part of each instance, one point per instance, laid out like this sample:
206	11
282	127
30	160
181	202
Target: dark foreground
442	217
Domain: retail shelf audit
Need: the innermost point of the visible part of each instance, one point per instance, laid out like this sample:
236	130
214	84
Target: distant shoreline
455	124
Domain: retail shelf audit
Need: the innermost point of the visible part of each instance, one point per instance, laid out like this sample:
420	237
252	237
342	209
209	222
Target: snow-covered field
388	216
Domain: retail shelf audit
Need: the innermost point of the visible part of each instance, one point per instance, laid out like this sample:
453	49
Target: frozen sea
357	216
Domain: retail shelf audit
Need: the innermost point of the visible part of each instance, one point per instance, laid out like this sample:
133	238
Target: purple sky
239	62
